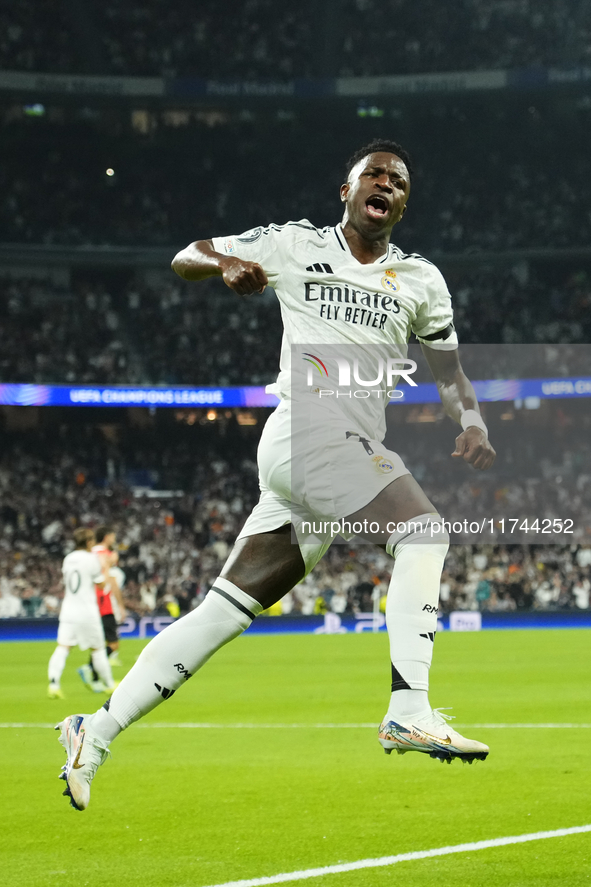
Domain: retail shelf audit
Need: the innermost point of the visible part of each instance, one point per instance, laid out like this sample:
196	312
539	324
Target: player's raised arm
460	403
199	260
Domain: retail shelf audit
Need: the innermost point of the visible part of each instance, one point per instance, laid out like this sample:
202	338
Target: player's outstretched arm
460	403
118	595
199	260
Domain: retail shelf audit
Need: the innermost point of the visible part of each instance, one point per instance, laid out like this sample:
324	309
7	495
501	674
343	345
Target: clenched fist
243	277
474	447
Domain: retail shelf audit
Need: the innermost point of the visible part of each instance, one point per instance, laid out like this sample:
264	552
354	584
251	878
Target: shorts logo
389	281
382	464
229	246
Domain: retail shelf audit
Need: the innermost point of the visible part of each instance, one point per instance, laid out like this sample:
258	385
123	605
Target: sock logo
182	670
164	691
430	608
429	635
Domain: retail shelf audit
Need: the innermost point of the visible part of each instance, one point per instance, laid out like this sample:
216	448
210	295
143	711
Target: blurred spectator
580	591
37	36
474	34
264	40
178	333
106	179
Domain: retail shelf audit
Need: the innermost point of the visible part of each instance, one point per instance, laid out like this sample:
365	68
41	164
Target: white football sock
175	654
411	610
102	666
57	663
102	724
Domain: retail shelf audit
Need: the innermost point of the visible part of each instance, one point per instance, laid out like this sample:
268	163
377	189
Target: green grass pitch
180	807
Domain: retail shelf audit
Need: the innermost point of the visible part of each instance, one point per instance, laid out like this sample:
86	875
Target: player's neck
364	250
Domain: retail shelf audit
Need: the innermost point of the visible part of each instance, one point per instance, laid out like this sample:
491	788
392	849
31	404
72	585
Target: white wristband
471	417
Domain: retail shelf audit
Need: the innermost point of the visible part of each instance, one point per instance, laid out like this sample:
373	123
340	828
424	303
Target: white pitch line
403	857
373	725
20	726
525	726
198	726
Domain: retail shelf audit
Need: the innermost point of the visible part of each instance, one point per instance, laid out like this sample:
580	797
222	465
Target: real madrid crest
382	464
389	281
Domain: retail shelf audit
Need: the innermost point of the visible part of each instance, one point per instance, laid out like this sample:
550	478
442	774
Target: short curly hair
383	146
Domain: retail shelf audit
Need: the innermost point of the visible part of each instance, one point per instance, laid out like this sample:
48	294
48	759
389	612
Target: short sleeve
434	325
262	245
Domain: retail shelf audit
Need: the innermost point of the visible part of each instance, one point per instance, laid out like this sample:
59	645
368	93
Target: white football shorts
85	635
316	475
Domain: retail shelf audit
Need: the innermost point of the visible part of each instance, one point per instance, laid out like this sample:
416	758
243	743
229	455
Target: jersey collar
342	241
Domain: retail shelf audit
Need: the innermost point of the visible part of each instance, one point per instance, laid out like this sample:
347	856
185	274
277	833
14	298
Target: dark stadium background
128	131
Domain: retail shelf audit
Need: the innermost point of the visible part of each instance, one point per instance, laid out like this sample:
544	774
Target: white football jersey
80	569
327	296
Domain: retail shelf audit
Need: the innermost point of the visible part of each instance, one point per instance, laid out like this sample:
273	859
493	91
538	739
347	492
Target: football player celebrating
342	287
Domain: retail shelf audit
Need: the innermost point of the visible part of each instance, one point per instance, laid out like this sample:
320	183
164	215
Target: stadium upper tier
263	39
501	175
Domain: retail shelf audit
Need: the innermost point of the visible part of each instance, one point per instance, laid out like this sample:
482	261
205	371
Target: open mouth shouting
377	206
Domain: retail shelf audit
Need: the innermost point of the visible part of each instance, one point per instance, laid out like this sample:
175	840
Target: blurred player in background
349	286
117	580
79	621
109	598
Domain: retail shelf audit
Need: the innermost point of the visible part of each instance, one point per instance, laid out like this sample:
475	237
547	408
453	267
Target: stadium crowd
179	495
110	176
52	334
166	178
177	333
471	35
162	335
272	42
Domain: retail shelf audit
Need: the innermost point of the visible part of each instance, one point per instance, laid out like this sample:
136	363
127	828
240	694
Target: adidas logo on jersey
320	267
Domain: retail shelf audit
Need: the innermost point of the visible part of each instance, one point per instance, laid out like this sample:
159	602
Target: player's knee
438	531
265	566
425	529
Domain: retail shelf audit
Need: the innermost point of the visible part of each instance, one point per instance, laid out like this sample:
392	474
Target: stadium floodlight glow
110	172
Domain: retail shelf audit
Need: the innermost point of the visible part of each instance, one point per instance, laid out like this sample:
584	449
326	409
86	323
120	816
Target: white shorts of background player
85	635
